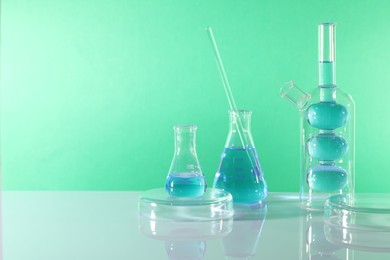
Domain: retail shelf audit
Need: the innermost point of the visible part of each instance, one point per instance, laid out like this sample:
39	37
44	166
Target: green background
90	90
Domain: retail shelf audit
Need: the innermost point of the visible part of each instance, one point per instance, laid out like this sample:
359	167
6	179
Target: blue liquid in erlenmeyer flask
185	184
327	147
327	178
327	115
237	175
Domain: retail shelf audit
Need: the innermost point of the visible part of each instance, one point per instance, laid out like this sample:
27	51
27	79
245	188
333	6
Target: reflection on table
106	225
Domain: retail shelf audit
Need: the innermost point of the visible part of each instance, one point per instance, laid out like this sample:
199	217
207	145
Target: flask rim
185	127
327	24
240	112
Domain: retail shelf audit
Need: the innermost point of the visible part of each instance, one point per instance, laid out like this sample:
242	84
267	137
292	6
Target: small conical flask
239	171
185	177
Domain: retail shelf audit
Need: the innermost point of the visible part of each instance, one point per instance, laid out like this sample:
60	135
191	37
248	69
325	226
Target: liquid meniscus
185	184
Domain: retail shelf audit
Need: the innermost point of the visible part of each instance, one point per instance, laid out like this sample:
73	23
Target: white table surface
106	225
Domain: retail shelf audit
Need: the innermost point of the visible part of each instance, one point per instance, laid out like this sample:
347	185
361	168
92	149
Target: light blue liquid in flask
327	147
239	171
185	177
185	184
327	115
328	178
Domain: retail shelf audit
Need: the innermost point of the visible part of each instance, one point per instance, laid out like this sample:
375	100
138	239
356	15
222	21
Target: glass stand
360	221
214	204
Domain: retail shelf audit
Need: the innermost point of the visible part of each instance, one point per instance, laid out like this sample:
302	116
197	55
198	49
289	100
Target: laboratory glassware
243	241
313	242
327	129
185	177
185	239
185	197
360	222
240	171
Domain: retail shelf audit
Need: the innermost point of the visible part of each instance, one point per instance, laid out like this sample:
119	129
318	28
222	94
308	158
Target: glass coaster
359	222
214	204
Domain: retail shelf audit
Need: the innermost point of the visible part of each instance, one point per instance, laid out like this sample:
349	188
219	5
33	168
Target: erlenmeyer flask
185	177
239	171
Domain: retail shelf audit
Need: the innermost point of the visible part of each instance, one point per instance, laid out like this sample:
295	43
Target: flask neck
185	159
327	55
240	135
185	140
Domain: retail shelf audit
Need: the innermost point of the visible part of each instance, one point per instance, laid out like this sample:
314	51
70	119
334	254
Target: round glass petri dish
157	204
360	221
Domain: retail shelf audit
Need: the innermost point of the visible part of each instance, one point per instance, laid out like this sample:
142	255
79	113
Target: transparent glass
243	241
239	171
214	204
185	177
185	239
313	242
359	222
327	130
